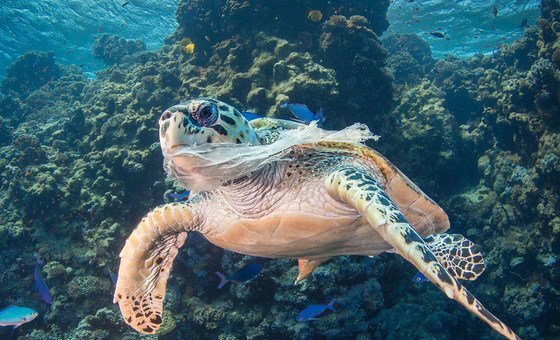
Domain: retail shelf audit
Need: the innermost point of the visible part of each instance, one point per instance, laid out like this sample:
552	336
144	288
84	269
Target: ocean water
470	27
68	28
148	187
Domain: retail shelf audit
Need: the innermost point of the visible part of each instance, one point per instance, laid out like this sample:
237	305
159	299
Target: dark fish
303	114
242	275
524	23
495	11
125	3
180	197
313	311
419	278
250	116
113	276
437	34
40	283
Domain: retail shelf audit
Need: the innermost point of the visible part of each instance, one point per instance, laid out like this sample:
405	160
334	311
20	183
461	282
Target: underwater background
465	96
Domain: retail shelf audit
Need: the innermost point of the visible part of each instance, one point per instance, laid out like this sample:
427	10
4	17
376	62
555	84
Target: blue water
69	27
470	26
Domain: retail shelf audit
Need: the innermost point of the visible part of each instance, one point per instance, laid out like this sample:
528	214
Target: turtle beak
165	121
169	129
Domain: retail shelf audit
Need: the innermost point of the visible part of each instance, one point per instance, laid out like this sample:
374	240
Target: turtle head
201	121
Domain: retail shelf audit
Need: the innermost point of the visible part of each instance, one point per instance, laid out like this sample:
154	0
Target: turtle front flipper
458	255
356	187
146	261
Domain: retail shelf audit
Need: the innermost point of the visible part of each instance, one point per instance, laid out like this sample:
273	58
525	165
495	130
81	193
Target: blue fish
302	113
419	278
16	316
242	275
313	311
250	116
40	283
113	276
180	197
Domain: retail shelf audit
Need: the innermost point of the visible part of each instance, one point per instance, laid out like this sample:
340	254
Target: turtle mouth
174	148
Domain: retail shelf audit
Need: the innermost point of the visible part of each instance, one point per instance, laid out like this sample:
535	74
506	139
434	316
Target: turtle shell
268	129
423	213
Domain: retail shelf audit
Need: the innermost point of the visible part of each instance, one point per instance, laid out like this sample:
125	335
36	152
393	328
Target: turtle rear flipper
306	267
146	262
458	255
356	187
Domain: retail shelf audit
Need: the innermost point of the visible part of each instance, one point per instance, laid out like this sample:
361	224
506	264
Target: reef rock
112	49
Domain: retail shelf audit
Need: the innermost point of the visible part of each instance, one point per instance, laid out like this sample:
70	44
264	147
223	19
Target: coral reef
237	37
481	136
410	57
261	73
29	72
351	48
219	20
431	132
112	49
507	110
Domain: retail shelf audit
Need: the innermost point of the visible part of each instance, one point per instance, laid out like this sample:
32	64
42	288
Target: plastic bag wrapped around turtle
208	166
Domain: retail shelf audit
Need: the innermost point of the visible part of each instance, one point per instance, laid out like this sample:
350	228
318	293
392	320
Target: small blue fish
250	116
313	311
242	275
419	278
40	283
16	316
302	113
180	197
113	277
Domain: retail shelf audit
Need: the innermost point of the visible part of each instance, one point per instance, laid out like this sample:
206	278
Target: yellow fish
315	15
185	41
189	48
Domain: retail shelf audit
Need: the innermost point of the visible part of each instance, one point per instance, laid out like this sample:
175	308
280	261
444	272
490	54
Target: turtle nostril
166	115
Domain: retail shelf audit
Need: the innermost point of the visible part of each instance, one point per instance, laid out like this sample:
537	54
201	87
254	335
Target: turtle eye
206	115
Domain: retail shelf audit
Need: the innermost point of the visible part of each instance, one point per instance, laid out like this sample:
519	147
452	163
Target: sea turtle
309	198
